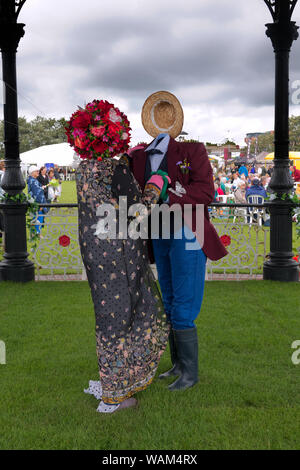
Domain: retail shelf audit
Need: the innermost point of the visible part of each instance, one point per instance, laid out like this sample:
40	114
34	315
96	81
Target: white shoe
104	408
94	389
128	403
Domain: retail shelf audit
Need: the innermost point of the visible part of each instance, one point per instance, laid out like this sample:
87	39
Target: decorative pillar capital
282	35
10	35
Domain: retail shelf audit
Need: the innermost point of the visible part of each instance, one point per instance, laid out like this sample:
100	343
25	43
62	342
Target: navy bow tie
155	152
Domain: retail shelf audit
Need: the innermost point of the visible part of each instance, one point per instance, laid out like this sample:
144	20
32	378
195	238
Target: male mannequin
181	271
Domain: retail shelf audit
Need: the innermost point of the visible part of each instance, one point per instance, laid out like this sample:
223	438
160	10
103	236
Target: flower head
226	240
100	130
64	240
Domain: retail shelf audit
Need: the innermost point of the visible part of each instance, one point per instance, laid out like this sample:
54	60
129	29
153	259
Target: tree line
266	140
40	131
46	131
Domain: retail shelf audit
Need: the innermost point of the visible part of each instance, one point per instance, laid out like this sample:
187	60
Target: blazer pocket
183	178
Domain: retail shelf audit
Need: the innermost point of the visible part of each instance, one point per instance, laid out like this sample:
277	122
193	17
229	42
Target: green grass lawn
248	396
68	193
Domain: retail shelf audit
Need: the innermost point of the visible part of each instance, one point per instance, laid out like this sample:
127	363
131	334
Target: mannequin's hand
161	182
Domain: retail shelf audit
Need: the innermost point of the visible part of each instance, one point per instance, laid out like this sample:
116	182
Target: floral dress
131	325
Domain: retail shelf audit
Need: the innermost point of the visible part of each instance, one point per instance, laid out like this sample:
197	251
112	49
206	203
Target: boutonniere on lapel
184	166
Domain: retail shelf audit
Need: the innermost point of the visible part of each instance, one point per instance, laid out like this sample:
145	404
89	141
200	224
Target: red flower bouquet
99	130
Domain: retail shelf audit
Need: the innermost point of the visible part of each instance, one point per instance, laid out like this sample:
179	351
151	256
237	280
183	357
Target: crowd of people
44	187
47	180
242	181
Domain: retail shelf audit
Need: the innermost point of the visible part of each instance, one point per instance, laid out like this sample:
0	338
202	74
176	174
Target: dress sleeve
124	184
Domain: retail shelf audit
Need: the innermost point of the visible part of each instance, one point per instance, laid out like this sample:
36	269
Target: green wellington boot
175	370
186	342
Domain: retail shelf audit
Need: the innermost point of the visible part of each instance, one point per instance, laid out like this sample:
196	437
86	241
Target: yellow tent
293	156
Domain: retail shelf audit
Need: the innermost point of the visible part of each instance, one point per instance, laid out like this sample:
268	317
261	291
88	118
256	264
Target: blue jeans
181	275
40	220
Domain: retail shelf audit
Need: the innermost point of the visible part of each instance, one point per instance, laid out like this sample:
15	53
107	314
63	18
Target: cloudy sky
212	54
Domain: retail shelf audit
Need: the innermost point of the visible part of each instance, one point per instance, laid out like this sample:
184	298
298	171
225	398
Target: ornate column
15	265
280	266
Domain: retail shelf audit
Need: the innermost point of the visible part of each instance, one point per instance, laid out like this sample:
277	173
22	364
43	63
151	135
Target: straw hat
162	113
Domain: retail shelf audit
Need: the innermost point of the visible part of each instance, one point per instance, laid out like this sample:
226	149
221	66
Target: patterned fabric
131	325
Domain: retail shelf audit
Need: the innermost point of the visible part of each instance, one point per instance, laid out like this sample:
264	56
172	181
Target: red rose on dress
64	240
226	240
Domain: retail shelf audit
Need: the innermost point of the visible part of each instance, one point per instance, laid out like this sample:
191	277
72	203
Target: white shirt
162	146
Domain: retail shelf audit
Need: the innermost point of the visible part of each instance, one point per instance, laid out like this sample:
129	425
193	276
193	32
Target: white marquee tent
60	154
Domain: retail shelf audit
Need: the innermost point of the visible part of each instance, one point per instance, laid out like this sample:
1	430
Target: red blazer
198	184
